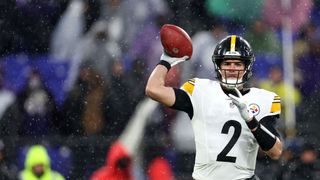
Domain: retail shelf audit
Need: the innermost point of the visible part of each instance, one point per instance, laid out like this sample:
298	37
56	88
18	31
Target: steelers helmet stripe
188	86
233	43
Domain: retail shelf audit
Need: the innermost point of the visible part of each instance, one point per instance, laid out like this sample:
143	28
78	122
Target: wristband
264	137
165	63
254	123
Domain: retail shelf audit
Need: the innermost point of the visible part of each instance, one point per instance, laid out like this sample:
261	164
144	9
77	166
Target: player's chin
231	79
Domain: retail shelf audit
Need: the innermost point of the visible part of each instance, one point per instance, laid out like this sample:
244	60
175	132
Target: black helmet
236	48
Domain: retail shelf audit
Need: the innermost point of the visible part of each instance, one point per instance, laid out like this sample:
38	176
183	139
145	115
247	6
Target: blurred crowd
73	71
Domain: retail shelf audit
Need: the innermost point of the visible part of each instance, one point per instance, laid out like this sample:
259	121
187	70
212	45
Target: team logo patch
255	109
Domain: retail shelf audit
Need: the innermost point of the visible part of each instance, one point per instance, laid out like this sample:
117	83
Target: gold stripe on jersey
276	105
233	43
276	98
188	86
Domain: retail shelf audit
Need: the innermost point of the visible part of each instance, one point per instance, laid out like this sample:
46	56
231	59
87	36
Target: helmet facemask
240	76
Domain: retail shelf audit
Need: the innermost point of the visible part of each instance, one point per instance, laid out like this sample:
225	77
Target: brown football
175	41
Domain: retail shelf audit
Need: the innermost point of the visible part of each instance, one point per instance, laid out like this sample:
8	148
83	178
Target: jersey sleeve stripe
275	107
188	86
192	81
276	98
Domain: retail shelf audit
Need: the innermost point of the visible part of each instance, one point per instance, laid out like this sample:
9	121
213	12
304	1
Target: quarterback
230	122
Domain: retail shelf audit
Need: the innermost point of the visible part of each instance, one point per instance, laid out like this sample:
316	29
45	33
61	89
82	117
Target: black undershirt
183	103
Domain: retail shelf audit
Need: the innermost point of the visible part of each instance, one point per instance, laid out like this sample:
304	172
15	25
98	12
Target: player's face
232	69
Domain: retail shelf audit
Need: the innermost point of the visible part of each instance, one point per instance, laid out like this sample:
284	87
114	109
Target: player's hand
173	60
243	107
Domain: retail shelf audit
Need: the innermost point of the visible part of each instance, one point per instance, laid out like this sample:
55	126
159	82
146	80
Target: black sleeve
269	122
183	102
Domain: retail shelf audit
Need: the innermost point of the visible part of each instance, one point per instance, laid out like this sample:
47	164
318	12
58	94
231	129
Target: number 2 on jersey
222	156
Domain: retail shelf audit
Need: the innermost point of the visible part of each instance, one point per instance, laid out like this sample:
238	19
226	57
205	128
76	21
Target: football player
230	122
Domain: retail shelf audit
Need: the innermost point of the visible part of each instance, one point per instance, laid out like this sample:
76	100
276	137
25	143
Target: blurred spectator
60	156
119	102
72	40
160	169
305	34
97	49
83	111
306	166
112	14
123	152
118	165
276	84
309	64
37	107
97	106
262	38
7	172
68	31
38	165
293	147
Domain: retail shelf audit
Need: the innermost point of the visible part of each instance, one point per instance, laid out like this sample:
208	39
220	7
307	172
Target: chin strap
231	86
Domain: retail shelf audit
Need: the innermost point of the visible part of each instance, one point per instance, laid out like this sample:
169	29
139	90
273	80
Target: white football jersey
225	146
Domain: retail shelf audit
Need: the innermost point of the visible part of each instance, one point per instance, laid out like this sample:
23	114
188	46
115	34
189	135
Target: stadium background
58	57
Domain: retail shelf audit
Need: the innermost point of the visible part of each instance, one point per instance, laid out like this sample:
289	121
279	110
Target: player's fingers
234	99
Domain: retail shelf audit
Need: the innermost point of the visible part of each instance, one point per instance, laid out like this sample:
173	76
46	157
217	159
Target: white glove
173	60
242	106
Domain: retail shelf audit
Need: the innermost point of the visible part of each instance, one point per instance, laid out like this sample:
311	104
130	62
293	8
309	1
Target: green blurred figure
263	39
37	165
276	84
